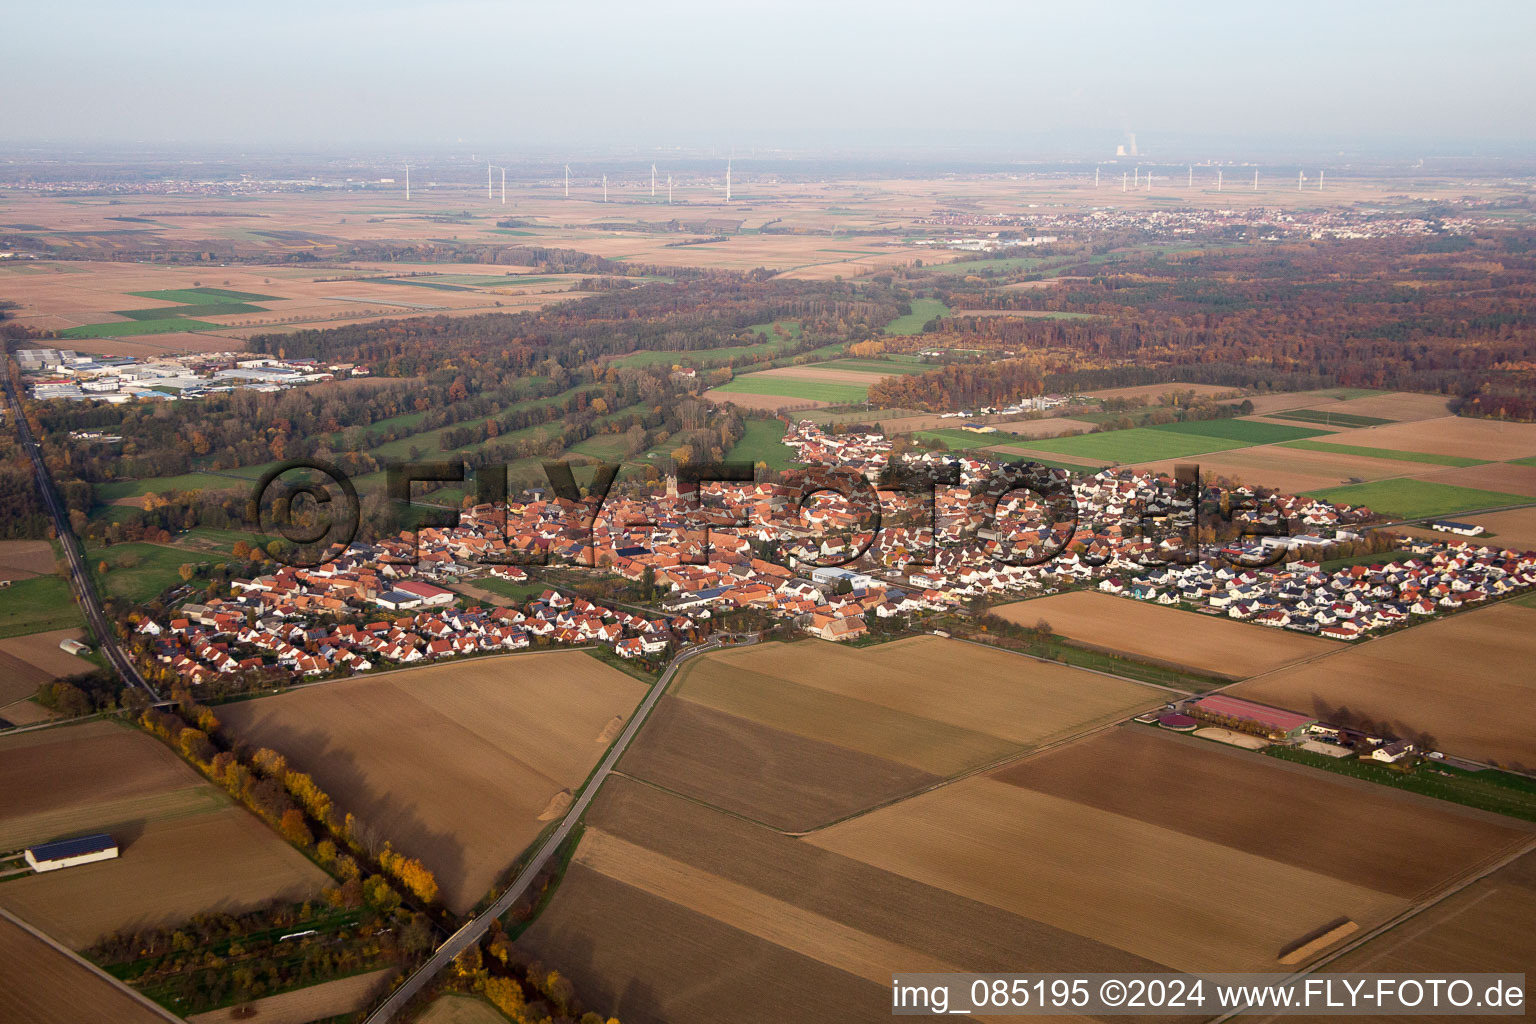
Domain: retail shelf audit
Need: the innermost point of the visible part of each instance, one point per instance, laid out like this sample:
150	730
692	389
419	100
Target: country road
79	579
471	932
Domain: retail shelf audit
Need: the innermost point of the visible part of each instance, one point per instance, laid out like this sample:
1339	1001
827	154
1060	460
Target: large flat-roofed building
1250	717
68	853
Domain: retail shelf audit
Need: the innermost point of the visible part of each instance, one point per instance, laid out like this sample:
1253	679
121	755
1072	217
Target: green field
200	296
38	604
604	447
1326	418
1417	499
880	367
1528	461
1246	431
156	569
131	327
1385	453
164	484
791	327
791	387
763	442
1496	791
961	440
923	310
206	309
1139	444
517	593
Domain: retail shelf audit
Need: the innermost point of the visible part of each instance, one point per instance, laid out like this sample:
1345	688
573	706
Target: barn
1245	715
68	853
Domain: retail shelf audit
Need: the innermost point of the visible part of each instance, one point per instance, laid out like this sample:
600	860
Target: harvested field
769	402
240	864
21	559
1465	679
1514	529
737	888
1485	927
769	775
451	1009
897	701
45	985
1204	643
1500	477
420	755
1448	435
1053	426
1152	392
1291	470
1097	874
30	660
1268	807
1402	406
107	777
317	1002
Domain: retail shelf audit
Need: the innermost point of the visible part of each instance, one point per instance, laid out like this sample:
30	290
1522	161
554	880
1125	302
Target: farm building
70	646
1463	529
1177	722
68	853
1246	716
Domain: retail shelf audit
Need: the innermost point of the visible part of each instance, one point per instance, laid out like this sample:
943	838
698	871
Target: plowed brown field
1205	643
453	763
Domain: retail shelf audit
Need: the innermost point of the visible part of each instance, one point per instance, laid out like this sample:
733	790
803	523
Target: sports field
108	777
454	763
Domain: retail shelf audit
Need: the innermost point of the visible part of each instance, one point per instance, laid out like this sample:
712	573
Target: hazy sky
1055	78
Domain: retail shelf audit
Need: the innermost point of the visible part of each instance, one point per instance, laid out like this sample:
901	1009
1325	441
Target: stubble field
1205	643
796	735
45	986
455	764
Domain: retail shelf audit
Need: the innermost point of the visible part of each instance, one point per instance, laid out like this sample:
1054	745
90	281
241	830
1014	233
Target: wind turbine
653	181
1095	177
1218	181
1123	177
727	179
1137	181
567	181
503	186
1320	180
1149	181
605	188
669	190
1191	175
407	182
487	181
1255	179
1301	176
